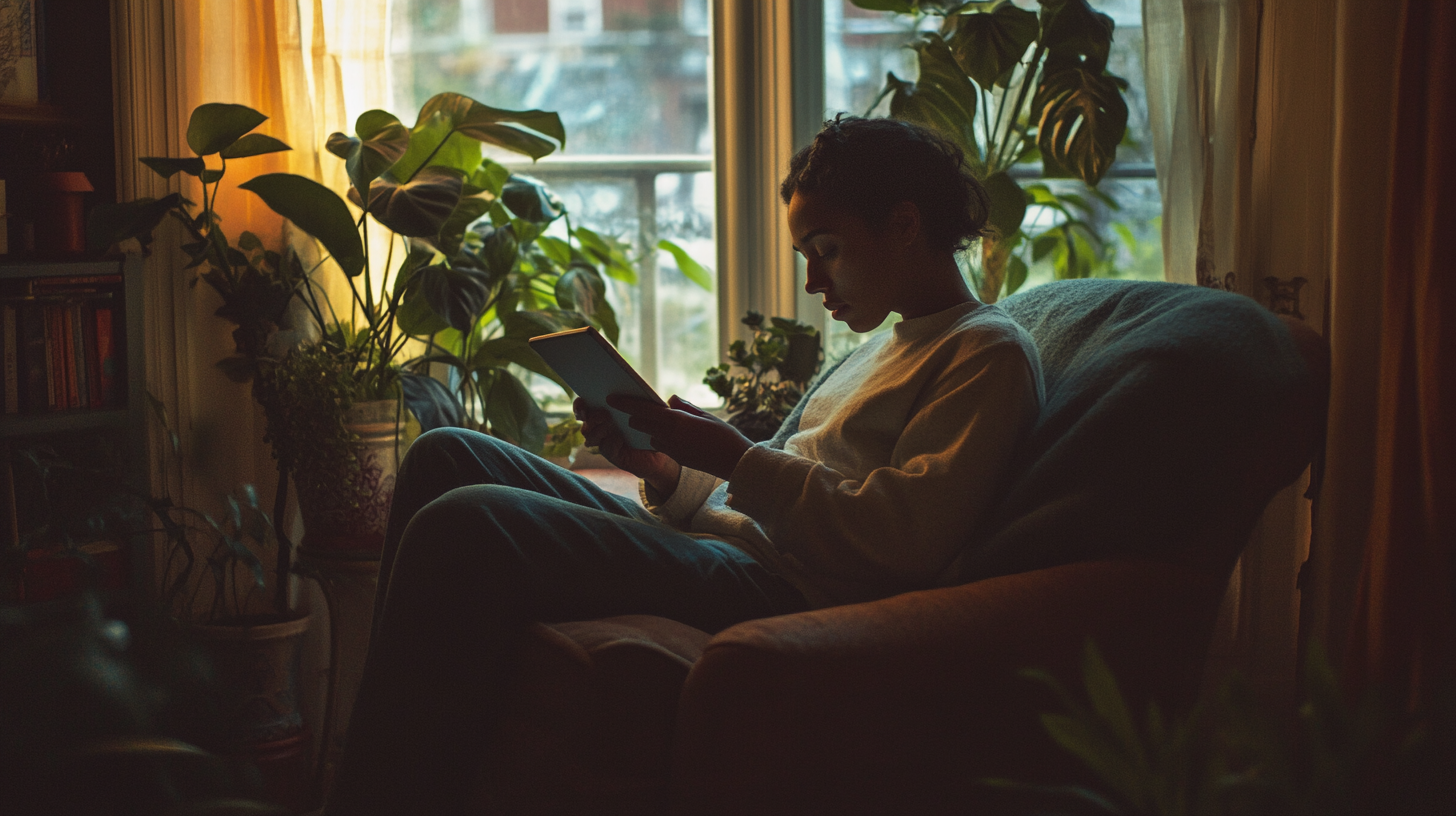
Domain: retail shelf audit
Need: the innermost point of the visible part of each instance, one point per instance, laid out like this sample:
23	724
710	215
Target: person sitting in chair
880	481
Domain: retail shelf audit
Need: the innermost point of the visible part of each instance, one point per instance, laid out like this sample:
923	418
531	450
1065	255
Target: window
630	81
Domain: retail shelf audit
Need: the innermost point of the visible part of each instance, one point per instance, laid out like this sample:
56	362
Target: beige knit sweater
891	475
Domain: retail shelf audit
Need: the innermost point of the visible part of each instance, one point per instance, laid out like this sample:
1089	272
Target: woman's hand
653	467
689	435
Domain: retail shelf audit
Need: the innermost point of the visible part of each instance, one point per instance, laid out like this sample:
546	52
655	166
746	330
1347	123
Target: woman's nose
814	280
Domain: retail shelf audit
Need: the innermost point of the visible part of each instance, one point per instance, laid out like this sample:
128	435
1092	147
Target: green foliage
201	550
778	365
1229	755
304	397
478	277
988	54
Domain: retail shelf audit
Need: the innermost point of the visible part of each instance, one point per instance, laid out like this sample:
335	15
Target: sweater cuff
693	488
764	479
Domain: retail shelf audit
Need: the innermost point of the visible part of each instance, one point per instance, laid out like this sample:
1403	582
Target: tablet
594	370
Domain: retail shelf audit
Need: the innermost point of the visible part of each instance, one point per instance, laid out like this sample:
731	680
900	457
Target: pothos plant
777	366
1011	86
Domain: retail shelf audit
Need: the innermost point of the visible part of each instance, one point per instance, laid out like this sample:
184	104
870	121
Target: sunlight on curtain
311	66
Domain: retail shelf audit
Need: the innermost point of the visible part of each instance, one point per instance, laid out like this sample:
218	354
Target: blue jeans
483	539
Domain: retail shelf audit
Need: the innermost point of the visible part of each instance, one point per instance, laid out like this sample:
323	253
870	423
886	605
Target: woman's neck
935	284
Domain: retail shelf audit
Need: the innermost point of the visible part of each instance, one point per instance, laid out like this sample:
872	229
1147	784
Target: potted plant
1045	75
214	584
478	275
784	356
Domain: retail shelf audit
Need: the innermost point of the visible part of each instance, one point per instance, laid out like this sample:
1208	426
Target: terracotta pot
352	518
255	669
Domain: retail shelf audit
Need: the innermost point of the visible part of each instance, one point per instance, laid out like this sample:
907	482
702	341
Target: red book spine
93	359
106	355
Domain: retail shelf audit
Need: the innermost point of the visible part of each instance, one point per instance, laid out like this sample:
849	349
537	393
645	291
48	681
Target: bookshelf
58	456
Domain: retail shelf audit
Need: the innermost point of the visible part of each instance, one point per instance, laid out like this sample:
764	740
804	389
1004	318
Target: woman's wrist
665	480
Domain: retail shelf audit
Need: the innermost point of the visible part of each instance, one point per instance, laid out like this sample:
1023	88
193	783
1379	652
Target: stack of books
60	339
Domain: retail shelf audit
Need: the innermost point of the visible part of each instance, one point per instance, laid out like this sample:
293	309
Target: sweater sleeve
904	523
677	510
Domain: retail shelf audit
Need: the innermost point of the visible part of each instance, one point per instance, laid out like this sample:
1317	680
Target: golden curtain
309	65
1404	632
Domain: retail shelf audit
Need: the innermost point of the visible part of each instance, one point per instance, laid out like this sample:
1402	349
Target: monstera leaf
581	289
417	208
451	128
458	295
531	200
513	412
431	402
988	45
1082	119
943	99
1071	29
379	141
500	352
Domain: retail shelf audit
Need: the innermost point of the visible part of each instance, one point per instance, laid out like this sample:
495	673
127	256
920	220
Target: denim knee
470	533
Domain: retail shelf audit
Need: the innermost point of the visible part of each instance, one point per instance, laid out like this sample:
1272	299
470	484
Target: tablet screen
595	370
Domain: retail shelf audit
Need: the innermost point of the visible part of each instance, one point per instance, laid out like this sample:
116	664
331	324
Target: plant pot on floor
255	677
344	516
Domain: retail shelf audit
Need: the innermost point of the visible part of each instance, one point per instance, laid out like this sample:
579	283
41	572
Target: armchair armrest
902	704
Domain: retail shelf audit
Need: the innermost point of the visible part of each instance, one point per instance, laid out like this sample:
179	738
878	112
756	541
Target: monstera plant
1009	85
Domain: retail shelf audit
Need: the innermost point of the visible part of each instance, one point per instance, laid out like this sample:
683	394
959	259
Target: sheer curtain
310	66
1198	99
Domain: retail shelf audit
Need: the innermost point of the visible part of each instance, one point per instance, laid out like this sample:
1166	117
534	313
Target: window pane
629	79
687	318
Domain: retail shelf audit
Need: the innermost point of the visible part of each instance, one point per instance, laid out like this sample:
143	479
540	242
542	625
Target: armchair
1173	415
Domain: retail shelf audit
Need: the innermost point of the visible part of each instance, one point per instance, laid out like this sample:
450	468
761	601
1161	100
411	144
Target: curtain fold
1197	114
1404	633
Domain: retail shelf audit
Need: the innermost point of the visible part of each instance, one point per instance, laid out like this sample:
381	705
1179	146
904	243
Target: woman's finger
681	404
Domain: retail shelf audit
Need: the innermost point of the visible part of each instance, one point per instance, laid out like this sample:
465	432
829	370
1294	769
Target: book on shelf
61	347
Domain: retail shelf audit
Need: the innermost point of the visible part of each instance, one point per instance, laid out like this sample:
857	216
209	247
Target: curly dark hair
870	165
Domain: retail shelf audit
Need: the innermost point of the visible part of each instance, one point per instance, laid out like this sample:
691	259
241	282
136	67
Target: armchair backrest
1173	414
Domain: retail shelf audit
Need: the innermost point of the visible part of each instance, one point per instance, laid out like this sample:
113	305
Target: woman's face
852	264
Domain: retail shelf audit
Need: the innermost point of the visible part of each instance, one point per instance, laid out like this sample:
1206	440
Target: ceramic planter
352	517
255	677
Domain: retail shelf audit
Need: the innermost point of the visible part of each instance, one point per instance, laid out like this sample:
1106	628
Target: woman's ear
904	222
